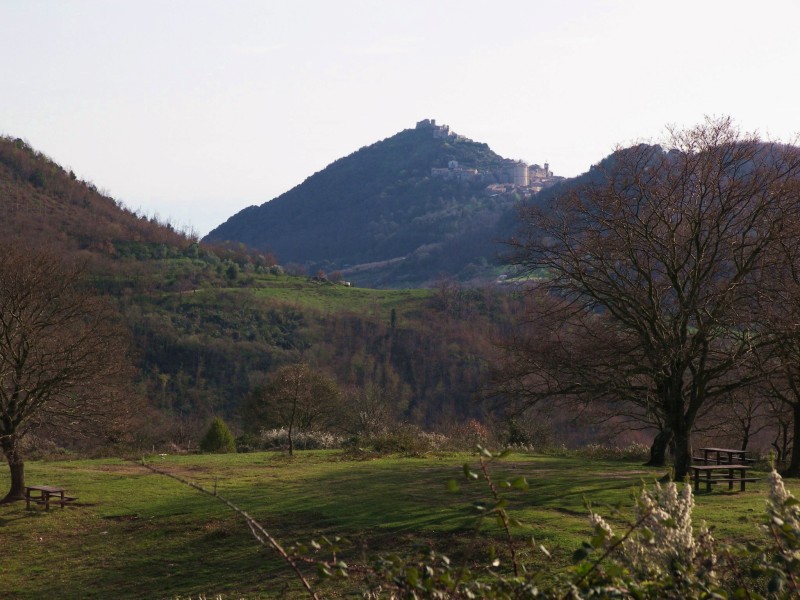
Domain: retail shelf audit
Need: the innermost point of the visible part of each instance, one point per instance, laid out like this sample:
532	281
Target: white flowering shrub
632	451
778	561
662	546
435	441
404	439
269	439
522	448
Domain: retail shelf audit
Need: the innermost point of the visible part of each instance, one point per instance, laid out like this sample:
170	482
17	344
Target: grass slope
136	534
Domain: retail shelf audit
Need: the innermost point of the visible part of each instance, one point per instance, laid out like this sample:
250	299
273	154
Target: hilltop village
512	176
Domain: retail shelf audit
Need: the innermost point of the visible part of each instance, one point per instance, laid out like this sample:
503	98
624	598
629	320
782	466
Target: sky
191	110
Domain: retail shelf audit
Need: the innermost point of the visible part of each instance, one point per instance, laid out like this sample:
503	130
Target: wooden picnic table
714	474
723	456
45	495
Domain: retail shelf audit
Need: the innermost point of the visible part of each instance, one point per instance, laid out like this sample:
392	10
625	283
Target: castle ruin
512	175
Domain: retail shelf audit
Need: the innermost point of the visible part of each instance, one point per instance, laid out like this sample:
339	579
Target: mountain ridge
382	216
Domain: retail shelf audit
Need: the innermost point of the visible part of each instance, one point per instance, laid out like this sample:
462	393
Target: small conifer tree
218	438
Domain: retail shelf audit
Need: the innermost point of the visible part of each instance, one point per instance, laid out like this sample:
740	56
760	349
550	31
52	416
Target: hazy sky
195	109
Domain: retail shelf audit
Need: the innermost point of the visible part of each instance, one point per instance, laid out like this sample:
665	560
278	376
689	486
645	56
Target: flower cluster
780	561
663	543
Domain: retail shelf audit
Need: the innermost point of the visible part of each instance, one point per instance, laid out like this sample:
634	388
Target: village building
517	174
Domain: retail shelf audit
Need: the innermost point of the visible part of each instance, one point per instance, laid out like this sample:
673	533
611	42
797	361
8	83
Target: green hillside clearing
136	534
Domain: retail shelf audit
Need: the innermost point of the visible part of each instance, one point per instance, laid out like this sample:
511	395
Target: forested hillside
43	203
208	323
380	216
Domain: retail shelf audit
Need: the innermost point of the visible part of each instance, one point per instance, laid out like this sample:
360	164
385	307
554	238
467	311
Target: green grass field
333	298
324	297
136	534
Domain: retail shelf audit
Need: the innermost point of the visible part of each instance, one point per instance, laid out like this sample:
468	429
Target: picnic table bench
46	495
721	465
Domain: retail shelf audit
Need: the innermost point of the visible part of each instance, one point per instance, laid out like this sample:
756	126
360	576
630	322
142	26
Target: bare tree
372	408
785	387
780	361
295	397
782	368
62	356
580	362
782	418
670	249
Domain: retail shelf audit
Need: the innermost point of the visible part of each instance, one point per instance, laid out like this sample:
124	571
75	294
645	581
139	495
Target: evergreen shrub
218	438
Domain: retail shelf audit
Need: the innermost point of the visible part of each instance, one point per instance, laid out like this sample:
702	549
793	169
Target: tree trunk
746	426
658	450
793	470
682	458
17	468
291	441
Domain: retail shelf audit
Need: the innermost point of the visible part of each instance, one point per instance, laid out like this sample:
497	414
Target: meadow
136	534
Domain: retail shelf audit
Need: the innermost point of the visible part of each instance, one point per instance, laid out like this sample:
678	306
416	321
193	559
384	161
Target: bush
36	448
632	451
402	439
218	438
275	439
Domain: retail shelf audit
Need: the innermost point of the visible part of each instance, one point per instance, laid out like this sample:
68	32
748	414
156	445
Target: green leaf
520	483
452	486
469	473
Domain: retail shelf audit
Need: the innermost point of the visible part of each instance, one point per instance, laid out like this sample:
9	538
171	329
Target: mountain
383	218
